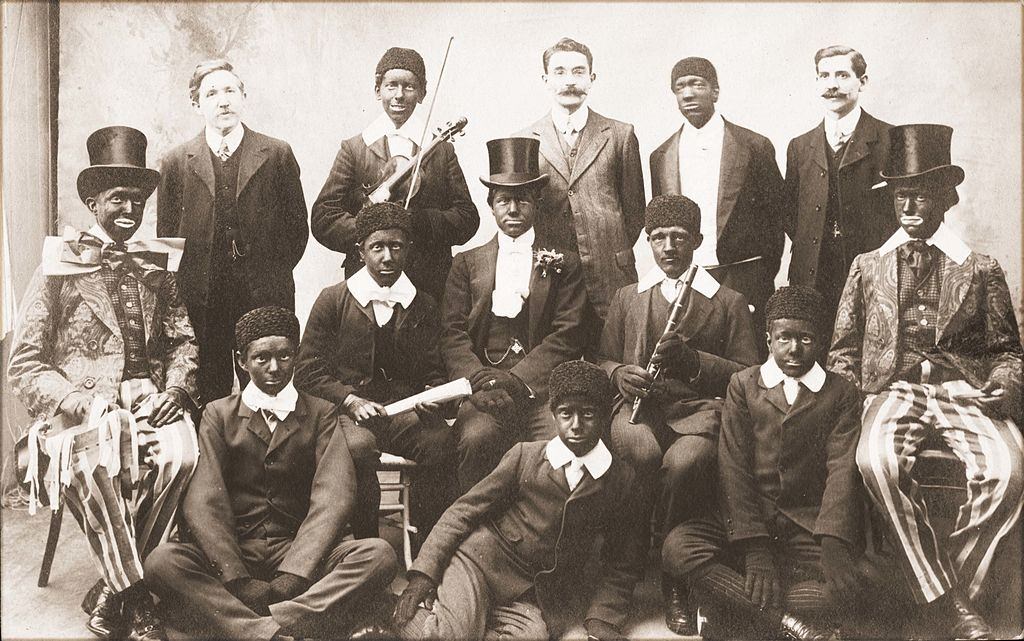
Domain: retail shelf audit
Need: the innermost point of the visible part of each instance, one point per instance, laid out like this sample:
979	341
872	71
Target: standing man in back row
832	212
443	213
594	203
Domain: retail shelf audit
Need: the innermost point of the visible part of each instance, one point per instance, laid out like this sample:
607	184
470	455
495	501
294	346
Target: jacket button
572	193
822	173
93	345
817	208
89	383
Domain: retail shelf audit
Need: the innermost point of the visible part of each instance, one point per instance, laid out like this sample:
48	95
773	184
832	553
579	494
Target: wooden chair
56	519
394	475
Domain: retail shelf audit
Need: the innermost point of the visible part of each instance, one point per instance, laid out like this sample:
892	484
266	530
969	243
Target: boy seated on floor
266	509
503	559
783	551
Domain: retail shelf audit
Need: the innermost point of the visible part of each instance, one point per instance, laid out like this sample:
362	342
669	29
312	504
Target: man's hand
598	630
429	413
843	581
490	378
359	409
255	594
995	398
168	406
286	586
76	406
421	589
633	381
762	586
492	401
673	352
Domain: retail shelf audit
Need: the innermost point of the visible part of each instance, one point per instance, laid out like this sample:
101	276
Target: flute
674	317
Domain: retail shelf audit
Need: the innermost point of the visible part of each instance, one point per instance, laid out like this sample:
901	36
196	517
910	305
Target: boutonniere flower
548	259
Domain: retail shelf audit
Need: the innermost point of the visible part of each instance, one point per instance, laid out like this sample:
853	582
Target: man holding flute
673	443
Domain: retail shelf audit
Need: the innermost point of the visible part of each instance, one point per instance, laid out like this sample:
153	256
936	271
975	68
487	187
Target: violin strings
426	125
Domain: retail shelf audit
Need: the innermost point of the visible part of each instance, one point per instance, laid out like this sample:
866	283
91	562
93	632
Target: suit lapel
540	288
254	154
735	158
549	147
199	161
671	182
864	136
775	395
557	476
379	148
94	292
593	138
697	311
255	424
587	486
804	400
644	302
288	426
147	300
818	146
956	283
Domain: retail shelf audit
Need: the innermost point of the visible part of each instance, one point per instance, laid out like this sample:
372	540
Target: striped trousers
895	423
122	521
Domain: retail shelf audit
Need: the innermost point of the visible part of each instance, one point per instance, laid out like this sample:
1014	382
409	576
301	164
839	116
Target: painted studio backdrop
308	72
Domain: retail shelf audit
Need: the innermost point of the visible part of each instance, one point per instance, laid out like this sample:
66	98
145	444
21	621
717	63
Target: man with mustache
926	330
443	213
832	214
593	205
731	173
234	195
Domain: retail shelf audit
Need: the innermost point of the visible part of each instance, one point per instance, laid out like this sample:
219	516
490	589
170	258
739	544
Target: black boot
967	623
106	619
678	616
142	622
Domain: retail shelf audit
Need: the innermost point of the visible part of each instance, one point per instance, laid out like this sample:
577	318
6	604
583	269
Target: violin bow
426	125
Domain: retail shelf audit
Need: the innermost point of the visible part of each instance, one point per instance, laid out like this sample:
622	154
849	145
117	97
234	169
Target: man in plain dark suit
444	214
511	314
234	195
832	213
263	556
594	201
731	173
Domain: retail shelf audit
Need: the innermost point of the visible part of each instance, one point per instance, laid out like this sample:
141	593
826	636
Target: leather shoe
373	633
968	624
143	624
678	617
106	619
800	630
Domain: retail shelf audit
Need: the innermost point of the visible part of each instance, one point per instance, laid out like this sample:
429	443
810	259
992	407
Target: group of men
638	409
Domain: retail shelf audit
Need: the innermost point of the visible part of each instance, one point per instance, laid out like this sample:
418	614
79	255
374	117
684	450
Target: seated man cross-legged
506	559
267	508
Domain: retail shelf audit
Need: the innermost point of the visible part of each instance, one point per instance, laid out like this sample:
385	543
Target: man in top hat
234	194
102	327
512	311
593	204
371	340
926	329
832	212
731	173
443	213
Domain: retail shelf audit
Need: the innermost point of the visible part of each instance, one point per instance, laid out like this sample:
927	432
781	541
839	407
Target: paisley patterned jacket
68	339
976	334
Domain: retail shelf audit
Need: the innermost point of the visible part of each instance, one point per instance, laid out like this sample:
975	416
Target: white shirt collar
944	238
703	281
566	122
597	460
772	375
234	138
382	126
523	243
365	289
281	405
715	126
846	124
100	233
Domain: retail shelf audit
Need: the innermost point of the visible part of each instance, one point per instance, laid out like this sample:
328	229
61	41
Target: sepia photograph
511	321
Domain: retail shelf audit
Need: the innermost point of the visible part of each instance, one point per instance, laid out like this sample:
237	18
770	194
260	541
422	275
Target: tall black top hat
117	158
922	151
515	162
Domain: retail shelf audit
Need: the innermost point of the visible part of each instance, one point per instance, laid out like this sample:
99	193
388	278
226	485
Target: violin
394	184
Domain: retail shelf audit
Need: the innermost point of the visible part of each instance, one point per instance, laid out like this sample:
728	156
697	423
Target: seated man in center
509	317
674	444
505	561
372	340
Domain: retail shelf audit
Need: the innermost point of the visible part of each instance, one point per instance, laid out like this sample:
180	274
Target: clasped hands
495	390
843	580
672	354
258	595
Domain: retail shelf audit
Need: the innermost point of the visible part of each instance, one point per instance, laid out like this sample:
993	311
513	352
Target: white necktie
574	473
224	152
512	283
270	418
790	387
570	134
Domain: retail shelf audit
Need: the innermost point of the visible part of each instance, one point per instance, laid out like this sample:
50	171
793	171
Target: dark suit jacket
298	483
606	192
866	216
337	353
555	308
720	329
271	212
976	330
445	213
814	443
525	529
749	215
